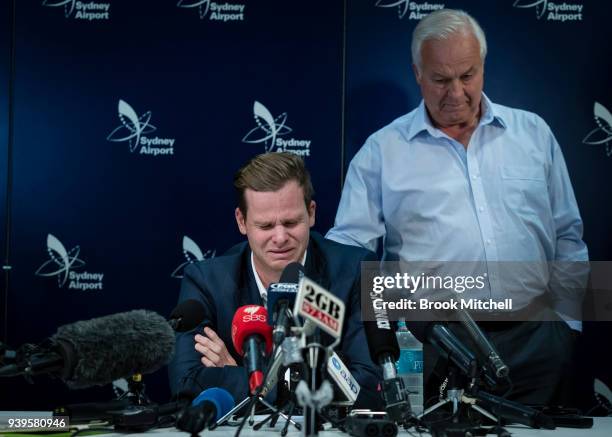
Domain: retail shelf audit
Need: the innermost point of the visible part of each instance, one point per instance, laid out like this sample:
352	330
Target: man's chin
451	118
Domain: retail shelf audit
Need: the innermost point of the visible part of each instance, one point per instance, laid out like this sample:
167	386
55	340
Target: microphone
343	378
383	346
100	350
280	298
384	350
187	315
483	344
320	309
439	335
249	330
205	410
445	340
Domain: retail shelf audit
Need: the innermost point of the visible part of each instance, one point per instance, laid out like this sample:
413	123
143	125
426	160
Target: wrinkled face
277	225
451	79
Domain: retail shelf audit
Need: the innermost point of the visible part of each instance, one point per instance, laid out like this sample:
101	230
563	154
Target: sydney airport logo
133	130
418	10
552	11
270	131
64	264
81	10
215	11
602	134
192	254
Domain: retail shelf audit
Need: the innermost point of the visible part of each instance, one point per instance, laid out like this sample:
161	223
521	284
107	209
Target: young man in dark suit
275	212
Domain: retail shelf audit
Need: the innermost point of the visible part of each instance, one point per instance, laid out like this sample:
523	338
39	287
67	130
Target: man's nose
455	88
280	235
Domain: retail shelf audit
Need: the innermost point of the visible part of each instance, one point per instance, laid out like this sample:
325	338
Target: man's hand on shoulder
213	350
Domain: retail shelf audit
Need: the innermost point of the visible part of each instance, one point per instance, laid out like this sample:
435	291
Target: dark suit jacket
225	283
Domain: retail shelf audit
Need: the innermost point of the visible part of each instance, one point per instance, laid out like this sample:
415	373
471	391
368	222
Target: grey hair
441	25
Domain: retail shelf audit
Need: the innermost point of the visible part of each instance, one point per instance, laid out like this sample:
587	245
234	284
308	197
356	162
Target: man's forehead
458	48
450	70
289	197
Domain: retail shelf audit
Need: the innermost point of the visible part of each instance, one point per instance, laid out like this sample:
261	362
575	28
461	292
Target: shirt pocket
523	172
524	188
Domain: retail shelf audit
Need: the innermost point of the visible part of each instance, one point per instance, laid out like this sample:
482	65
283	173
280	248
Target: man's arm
359	219
570	269
187	370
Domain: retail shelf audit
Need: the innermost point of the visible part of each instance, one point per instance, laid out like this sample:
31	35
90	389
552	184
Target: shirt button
481	209
474	176
489	241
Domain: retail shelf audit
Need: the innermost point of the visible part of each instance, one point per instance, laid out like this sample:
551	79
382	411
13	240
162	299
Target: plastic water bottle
410	366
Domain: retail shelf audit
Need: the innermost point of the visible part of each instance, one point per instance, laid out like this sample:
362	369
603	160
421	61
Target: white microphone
343	378
320	306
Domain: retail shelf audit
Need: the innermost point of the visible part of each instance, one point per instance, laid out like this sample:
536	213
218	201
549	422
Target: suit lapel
248	292
315	265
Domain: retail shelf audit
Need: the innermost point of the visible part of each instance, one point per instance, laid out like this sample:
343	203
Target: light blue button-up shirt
505	198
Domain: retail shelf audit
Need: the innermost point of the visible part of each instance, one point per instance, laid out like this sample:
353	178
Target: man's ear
417	74
240	221
312	208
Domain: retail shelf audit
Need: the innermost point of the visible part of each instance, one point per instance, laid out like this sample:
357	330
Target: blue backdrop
131	117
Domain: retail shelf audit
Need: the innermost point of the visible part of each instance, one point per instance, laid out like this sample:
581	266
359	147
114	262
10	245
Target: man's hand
213	350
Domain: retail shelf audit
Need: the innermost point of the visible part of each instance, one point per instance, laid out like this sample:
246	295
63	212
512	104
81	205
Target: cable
95	429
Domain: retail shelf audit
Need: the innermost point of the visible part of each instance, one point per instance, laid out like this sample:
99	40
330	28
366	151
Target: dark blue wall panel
93	95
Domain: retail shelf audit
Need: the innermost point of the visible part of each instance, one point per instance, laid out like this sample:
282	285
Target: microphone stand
292	359
288	403
136	391
317	392
252	399
294	377
455	396
471	396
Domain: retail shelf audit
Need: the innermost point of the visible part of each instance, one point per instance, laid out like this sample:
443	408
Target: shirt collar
421	121
490	114
262	290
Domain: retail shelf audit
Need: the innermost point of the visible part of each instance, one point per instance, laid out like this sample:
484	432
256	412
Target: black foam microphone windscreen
381	341
112	347
291	273
187	315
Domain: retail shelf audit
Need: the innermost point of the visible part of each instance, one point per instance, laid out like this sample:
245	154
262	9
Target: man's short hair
440	25
270	172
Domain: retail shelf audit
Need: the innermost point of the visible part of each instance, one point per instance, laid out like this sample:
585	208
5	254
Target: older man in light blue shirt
461	178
